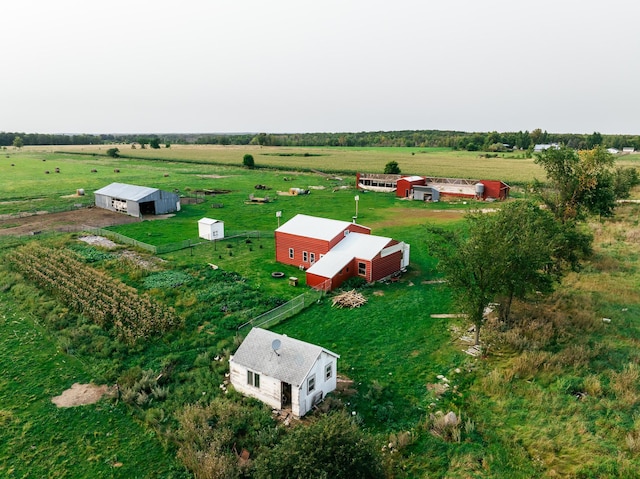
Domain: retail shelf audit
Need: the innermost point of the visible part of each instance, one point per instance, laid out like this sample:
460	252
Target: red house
332	251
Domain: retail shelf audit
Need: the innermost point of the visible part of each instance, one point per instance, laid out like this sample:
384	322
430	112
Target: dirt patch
81	394
64	221
135	258
99	241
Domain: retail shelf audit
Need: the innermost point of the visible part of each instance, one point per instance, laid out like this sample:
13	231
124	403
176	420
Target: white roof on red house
354	245
314	227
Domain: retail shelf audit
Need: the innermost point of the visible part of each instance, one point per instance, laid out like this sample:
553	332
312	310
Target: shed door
286	395
148	208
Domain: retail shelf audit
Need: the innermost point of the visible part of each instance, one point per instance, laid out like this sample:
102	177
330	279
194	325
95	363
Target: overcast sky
285	66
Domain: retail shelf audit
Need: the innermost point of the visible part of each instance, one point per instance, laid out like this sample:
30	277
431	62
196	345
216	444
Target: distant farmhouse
539	148
427	188
283	372
332	251
136	200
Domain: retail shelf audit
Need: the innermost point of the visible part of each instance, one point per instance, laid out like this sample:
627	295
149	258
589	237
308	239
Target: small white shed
283	372
210	229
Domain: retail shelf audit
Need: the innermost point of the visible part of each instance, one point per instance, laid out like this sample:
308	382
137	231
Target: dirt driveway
65	221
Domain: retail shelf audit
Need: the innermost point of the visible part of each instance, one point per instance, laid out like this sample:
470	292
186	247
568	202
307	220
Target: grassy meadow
557	395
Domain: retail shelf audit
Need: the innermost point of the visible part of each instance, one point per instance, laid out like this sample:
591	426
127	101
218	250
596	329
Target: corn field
108	302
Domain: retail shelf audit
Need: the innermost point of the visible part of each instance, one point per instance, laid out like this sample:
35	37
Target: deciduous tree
577	182
248	161
512	253
113	152
392	168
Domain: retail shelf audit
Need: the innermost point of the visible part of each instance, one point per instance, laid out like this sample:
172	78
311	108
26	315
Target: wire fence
37	209
163	248
285	311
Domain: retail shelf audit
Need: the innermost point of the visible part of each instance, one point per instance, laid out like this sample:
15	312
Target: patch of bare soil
98	241
81	394
64	221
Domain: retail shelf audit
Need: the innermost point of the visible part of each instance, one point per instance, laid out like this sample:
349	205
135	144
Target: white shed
283	372
210	229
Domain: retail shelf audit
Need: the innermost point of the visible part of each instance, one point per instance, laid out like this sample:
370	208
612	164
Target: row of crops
108	302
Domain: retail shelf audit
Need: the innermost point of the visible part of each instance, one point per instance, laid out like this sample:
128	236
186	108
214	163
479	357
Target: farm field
511	167
556	396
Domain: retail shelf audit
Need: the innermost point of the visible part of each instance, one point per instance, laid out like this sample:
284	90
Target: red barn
495	189
333	251
404	185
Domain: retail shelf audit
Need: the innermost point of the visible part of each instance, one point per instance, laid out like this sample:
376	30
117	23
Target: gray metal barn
136	200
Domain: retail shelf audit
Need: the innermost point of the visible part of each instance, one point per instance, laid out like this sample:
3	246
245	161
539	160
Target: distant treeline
489	141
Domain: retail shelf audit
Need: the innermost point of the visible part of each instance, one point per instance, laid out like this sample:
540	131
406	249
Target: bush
113	152
333	446
247	161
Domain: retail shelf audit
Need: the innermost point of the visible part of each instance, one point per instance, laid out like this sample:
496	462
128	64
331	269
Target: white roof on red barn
292	362
412	178
314	227
354	245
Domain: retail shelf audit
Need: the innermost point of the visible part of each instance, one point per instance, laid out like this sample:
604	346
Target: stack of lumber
349	299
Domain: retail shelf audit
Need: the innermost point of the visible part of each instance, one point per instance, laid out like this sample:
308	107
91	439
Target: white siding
269	391
322	385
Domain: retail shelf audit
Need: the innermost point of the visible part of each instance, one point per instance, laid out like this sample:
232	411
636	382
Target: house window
362	269
311	384
328	371
290	253
253	379
312	258
305	256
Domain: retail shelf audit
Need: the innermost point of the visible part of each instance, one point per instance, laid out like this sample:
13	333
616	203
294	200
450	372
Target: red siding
404	187
495	189
383	267
284	241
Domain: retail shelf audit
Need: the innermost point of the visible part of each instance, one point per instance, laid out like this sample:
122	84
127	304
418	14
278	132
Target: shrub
248	161
333	446
113	152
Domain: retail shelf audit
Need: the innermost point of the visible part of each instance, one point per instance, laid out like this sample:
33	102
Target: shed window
312	258
305	256
290	253
311	384
362	269
328	371
253	379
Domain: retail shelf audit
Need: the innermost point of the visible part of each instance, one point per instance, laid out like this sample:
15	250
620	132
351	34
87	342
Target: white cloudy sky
142	66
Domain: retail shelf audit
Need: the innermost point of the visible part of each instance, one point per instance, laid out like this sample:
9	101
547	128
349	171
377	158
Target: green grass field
522	414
